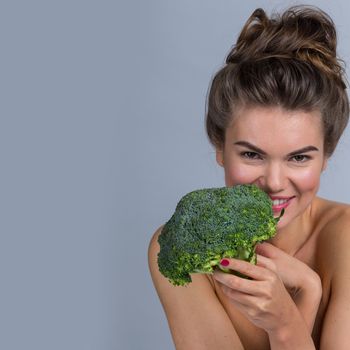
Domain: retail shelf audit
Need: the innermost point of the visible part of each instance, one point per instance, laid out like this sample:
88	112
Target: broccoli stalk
211	224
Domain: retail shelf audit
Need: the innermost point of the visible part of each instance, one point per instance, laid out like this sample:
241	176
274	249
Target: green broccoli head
210	224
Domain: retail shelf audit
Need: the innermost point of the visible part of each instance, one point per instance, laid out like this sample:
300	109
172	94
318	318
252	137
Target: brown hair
287	60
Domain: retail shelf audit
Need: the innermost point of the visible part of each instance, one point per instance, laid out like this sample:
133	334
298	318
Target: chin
283	222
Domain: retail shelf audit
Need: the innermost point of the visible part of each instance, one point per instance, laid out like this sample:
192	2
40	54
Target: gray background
101	133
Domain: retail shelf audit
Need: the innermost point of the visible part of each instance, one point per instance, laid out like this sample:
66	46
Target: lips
279	203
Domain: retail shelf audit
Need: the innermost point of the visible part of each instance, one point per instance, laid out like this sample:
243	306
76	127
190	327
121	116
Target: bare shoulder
334	239
153	245
153	250
196	318
334	235
168	293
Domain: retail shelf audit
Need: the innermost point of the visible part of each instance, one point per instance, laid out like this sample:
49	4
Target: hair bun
302	33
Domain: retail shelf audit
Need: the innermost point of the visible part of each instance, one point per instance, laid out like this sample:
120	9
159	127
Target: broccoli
210	224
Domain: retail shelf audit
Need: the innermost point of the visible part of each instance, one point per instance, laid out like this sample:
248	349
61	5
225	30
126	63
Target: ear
220	156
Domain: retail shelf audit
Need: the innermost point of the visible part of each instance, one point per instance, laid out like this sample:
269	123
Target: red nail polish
224	262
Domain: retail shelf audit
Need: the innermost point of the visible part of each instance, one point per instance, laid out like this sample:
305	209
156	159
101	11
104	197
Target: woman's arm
196	318
307	298
292	335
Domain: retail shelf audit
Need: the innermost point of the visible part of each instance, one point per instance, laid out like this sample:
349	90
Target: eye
300	158
250	155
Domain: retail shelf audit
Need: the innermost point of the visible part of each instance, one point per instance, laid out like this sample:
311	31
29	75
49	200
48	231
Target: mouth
279	203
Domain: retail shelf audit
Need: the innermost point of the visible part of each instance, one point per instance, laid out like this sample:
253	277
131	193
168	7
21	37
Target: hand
295	275
264	299
302	282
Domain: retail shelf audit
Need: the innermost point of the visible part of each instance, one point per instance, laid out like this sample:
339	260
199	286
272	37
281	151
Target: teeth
279	201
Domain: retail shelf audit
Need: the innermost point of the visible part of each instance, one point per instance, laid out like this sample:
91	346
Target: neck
292	238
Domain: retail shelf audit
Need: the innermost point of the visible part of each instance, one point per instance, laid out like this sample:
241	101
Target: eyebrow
259	150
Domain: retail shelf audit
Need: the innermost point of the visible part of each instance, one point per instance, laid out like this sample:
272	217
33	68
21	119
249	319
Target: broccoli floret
211	224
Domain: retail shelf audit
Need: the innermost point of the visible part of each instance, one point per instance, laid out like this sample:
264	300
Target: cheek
239	174
309	180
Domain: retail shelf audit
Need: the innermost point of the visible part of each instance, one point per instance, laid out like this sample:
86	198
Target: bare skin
298	295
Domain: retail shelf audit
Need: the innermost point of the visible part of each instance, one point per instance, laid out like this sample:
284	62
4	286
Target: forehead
276	126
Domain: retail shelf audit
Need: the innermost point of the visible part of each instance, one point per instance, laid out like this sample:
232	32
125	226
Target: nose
273	179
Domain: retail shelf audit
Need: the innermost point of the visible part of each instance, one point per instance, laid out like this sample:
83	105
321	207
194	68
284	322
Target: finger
236	283
266	263
246	268
236	297
267	249
245	303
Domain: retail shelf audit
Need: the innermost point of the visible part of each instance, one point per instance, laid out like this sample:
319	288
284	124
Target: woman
275	113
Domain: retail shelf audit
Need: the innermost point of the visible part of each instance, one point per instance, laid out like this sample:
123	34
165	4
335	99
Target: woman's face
280	151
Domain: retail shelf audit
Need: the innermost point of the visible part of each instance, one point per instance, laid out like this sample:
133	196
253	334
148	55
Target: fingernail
224	262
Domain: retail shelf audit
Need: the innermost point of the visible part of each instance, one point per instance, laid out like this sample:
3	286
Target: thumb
267	249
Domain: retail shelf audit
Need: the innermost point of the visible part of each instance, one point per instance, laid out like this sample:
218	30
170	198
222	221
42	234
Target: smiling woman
276	111
278	150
